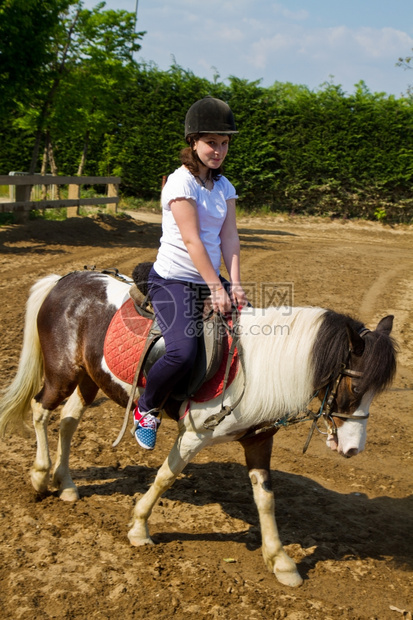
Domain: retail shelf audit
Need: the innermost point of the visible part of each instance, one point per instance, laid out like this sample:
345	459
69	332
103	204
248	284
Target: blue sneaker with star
145	428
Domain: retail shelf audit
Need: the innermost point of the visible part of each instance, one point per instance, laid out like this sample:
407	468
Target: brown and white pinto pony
288	354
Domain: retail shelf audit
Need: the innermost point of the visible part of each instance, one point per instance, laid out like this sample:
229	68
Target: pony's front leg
69	421
40	472
258	453
185	448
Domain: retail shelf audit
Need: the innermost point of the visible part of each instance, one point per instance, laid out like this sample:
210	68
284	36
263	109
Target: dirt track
348	523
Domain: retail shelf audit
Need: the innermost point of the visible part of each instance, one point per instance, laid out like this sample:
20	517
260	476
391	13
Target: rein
110	271
325	412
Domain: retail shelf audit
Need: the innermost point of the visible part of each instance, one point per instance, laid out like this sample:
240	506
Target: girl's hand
238	295
220	300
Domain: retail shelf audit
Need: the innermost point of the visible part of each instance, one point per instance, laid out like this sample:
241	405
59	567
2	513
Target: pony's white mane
277	345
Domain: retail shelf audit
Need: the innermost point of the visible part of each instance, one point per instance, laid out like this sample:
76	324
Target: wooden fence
22	204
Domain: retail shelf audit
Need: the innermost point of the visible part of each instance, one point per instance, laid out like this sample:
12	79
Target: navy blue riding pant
178	308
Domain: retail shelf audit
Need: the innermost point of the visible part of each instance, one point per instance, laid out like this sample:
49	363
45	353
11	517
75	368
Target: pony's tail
16	399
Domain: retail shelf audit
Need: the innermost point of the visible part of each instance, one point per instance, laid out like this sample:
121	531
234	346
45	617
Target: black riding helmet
209	115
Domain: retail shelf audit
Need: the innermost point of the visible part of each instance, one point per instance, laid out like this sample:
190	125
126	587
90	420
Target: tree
406	63
91	50
27	29
88	96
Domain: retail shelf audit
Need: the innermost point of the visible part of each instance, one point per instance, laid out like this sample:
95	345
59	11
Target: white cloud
382	43
231	35
330	44
280	9
264	50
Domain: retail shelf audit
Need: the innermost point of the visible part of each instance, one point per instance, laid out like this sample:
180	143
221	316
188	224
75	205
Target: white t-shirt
173	260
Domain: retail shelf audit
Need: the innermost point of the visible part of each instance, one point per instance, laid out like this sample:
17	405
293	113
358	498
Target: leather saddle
210	343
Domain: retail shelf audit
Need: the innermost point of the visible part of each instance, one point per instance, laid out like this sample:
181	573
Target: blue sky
300	41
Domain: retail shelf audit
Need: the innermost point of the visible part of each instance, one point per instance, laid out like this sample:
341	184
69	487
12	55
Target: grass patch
130	203
54	215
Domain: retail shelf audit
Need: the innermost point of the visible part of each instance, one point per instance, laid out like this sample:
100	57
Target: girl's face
212	149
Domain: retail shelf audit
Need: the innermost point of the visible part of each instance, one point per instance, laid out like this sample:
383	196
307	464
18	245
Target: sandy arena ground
348	523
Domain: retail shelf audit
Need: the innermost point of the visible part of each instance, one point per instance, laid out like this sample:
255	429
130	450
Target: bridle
325	412
332	389
326	409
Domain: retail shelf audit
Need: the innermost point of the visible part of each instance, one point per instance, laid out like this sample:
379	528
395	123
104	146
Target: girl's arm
186	217
230	247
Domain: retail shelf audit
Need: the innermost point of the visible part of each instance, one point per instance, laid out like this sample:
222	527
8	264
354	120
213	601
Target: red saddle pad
125	341
124	344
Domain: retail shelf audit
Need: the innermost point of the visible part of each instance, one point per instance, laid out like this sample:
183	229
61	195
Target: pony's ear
386	324
356	342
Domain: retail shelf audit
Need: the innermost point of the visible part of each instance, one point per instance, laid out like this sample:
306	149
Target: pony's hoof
139	541
40	481
291	579
69	495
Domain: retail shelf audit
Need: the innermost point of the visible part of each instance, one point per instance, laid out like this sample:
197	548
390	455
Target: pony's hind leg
40	472
70	417
185	448
258	454
46	401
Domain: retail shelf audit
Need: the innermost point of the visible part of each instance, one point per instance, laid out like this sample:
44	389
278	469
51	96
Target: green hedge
319	152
